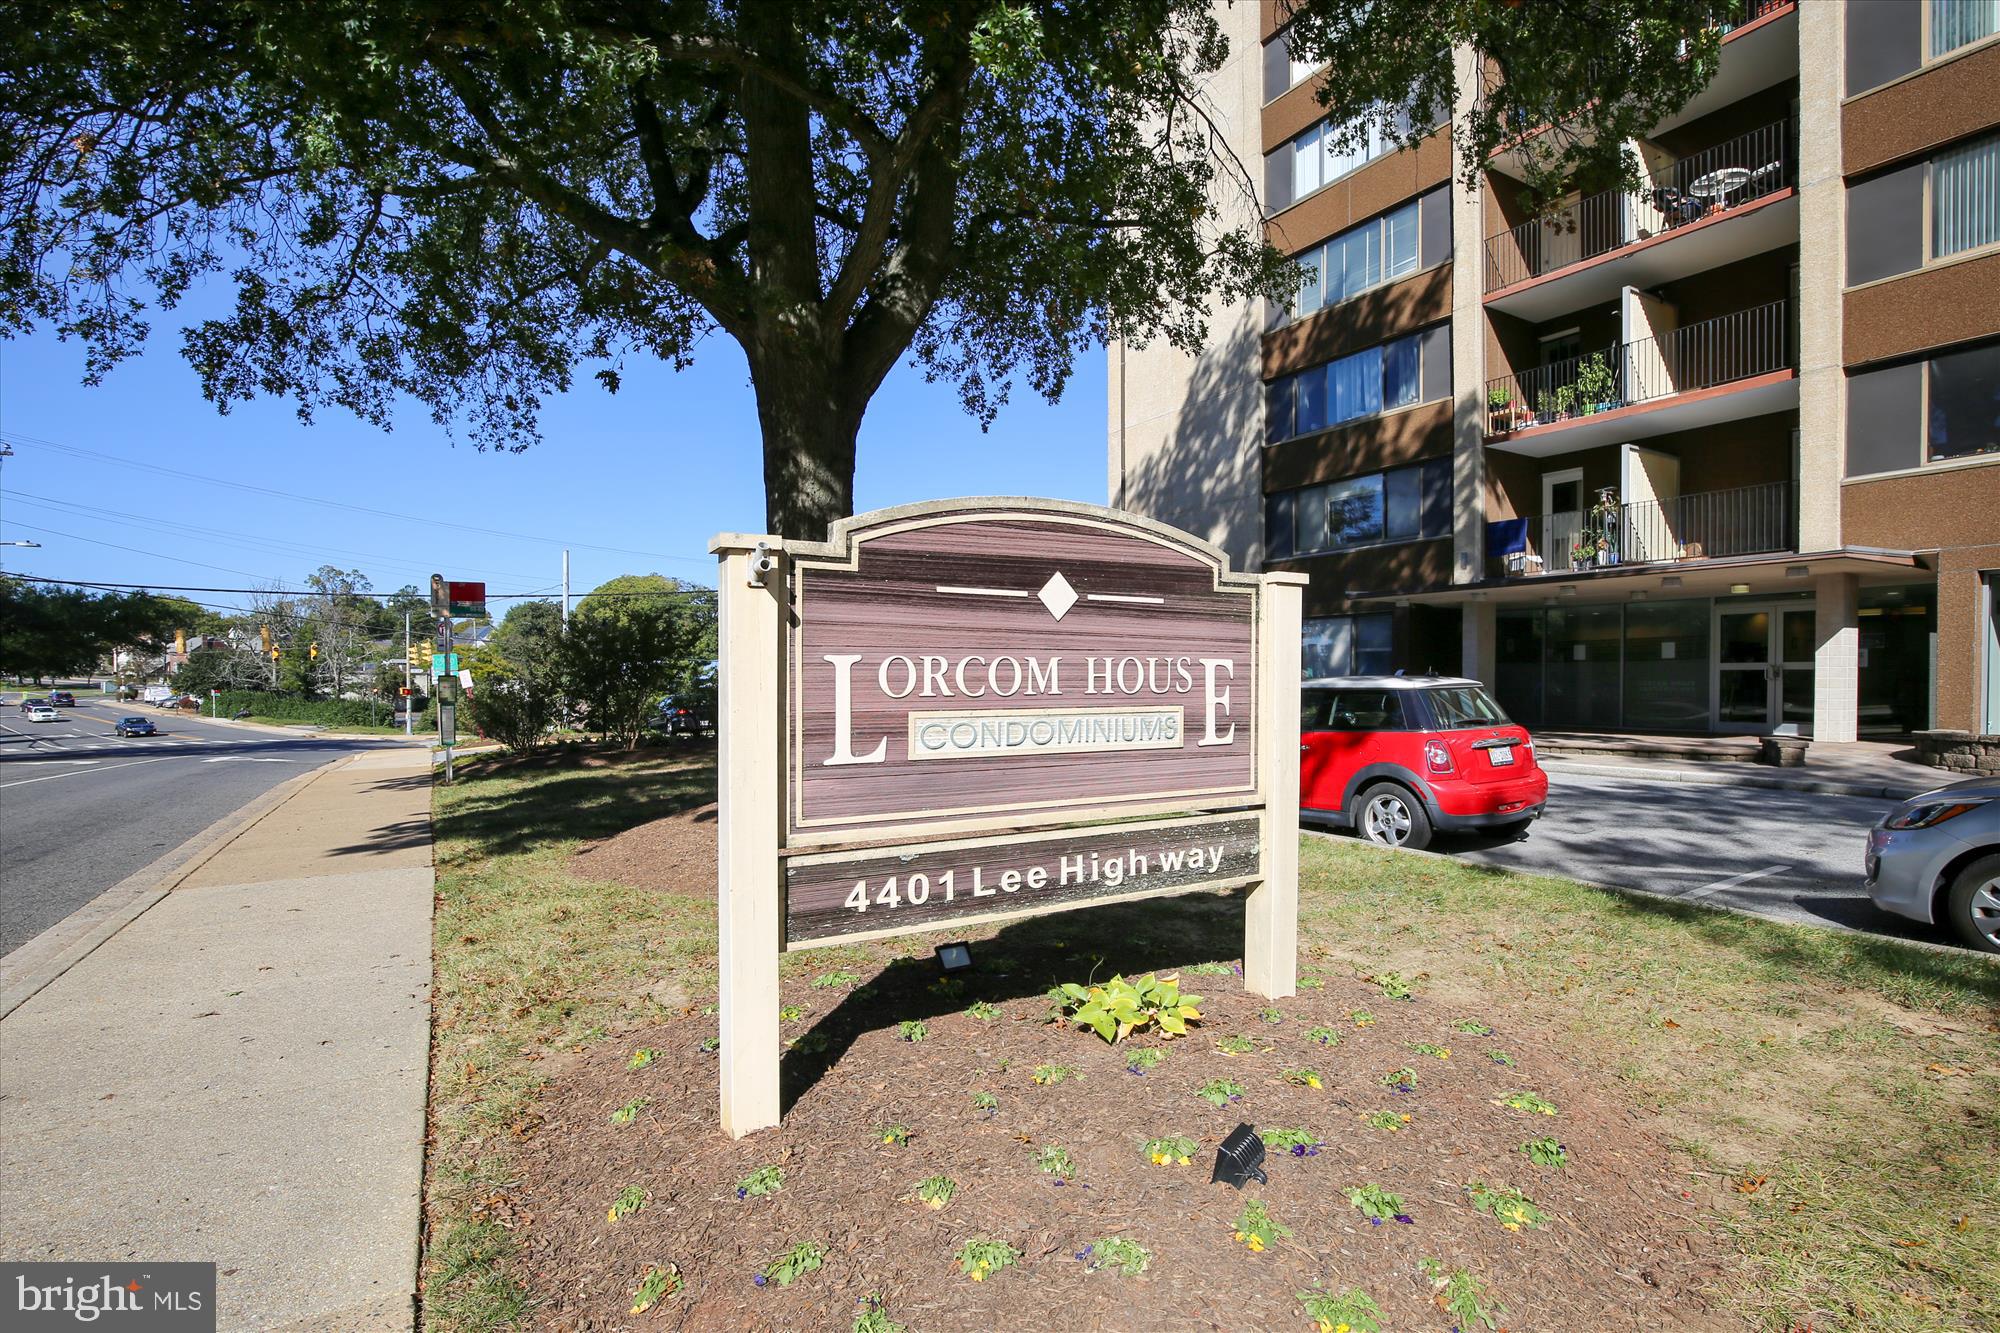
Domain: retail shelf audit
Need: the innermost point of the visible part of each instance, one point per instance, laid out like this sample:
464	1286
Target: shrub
1119	1007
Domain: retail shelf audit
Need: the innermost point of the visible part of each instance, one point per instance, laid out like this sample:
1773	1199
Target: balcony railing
1737	346
1708	525
1717	179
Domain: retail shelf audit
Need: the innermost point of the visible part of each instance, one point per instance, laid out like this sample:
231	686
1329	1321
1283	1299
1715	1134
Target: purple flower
1084	1253
1237	968
759	1279
1061	1183
1405	1218
1298	1150
1139	1073
1374	1221
741	1192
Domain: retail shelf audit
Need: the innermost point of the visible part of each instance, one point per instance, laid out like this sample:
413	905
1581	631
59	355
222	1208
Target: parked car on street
682	721
1936	858
43	713
1396	758
136	726
62	698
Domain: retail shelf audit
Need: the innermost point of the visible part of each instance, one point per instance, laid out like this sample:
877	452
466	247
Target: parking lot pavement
1792	855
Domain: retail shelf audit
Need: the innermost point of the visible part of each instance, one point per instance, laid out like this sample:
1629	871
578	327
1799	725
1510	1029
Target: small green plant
936	1191
711	1044
982	1011
1303	1078
1311	981
1235	1044
805	1257
1545	1151
980	1259
1384	1120
985	1101
809	1043
1511	1208
1220	1091
1297	1142
1144	1059
1527	1101
761	1183
1472	1027
1460	1295
1056	1161
1431	1049
1361	1018
1377	1204
1500	1057
912	1029
1595	383
1175	1150
1050	1075
629	1112
1271	1015
1210	970
829	980
1324	1036
897	1136
1350	1311
791	1013
655	1286
1402	1080
642	1057
1395	985
948	987
629	1201
1115	1254
1256	1228
1118	1008
873	1317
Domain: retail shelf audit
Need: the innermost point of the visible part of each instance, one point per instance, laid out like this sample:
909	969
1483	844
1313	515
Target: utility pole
409	682
565	588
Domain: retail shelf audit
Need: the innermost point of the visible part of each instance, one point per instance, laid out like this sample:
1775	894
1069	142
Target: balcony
1707	525
1728	368
1696	213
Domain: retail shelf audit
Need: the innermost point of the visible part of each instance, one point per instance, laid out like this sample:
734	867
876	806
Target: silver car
1936	858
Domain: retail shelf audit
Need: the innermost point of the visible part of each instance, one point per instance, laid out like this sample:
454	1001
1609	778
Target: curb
1768	782
69	941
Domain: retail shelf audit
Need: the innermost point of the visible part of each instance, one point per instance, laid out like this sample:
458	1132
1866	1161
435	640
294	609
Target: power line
35	442
315	592
156	555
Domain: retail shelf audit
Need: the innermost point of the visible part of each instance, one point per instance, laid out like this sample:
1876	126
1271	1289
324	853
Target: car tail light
1437	755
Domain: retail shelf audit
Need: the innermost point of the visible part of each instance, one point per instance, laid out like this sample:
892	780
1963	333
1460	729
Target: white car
43	713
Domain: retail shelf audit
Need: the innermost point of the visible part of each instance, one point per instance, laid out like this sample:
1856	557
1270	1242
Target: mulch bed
672	855
1623	1249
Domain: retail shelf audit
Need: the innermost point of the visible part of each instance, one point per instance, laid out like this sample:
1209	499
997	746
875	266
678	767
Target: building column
1478	640
1468	351
1822	453
1836	657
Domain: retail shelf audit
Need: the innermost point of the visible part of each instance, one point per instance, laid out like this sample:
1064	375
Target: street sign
443	663
1020	707
465	599
447	724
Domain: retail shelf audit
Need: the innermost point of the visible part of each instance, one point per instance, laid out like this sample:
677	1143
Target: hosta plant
1350	1311
1174	1150
1118	1008
980	1259
1257	1229
1115	1254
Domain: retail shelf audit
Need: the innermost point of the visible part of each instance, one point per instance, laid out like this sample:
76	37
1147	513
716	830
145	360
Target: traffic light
312	651
274	654
405	691
181	641
420	654
265	630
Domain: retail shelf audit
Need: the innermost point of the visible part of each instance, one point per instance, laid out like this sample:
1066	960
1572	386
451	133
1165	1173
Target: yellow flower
1313	1082
1239	1235
1406	1120
1511	1226
1342	1329
1444	1053
611	1214
1159	1159
1184	1161
1256	1244
978	1275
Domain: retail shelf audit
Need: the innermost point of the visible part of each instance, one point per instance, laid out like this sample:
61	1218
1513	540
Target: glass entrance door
1764	669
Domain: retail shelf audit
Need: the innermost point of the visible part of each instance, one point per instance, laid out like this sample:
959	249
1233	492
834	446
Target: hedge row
328	712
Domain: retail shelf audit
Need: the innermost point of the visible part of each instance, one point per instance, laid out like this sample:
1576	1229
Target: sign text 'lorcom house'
963	711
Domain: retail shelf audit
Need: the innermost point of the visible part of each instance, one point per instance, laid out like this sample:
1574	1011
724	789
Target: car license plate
1501	755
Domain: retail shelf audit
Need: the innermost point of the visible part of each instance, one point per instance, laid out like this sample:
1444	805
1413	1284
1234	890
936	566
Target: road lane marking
247	759
88	772
1721	884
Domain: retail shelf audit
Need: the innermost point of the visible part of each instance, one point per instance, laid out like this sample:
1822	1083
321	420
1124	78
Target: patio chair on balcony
1677	208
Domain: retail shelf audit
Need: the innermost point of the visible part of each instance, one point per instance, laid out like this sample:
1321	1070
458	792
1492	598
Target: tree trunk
809	428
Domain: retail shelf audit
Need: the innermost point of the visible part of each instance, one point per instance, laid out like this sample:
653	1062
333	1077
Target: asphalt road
81	808
1792	855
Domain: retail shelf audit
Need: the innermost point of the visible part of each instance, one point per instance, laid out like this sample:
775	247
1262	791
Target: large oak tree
470	204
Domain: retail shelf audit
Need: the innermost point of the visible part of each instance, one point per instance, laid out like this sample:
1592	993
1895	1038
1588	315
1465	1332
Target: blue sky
659	468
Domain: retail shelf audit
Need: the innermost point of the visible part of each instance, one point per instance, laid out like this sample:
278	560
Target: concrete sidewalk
239	1074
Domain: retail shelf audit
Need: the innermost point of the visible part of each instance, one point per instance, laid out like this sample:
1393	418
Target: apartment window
1402	504
1349	645
1380	250
1282	72
1963	418
1322	155
1412	369
1965	197
1956	23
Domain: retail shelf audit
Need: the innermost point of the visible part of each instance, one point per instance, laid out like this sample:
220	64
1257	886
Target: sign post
970	711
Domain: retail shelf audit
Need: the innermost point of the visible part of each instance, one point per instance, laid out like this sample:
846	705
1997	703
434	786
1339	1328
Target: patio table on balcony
1719	184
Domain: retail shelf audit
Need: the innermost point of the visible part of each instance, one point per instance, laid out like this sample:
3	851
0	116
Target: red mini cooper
1397	757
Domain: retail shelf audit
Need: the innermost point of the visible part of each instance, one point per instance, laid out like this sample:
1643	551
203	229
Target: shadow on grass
509	806
1023	959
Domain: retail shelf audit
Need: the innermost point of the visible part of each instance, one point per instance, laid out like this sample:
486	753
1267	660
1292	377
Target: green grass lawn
1836	1097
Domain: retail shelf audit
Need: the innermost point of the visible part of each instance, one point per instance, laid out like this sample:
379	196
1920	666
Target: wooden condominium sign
971	710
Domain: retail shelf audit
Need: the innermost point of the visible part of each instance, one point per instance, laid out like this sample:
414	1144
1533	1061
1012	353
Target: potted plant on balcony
1565	401
1596	386
1601	525
1500	404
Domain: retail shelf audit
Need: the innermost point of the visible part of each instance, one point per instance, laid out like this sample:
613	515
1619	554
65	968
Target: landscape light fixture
1240	1159
954	957
1738	589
